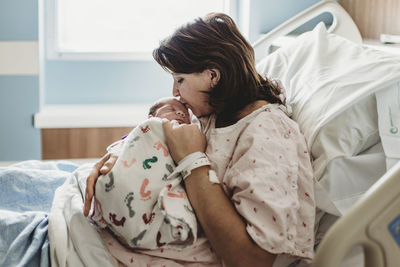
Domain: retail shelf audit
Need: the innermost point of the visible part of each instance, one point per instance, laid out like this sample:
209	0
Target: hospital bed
346	99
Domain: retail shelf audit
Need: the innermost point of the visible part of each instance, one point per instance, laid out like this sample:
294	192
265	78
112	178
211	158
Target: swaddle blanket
141	200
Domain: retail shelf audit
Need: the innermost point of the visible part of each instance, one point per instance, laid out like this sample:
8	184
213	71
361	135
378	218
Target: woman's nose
175	91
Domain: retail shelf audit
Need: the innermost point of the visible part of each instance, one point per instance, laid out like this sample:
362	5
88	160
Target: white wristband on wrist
191	162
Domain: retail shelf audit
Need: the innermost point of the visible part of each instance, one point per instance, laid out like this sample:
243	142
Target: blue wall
19	100
19	93
78	82
18	20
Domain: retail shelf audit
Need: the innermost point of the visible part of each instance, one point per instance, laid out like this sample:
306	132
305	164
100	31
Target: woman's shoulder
264	118
251	108
272	120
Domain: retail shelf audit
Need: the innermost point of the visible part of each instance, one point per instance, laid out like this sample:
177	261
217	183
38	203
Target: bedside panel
79	142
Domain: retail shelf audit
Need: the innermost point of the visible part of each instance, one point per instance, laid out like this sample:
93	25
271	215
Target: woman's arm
221	223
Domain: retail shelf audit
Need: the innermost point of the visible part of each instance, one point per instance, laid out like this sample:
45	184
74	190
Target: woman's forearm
222	224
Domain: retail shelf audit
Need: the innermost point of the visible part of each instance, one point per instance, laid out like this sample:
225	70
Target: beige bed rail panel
373	223
374	17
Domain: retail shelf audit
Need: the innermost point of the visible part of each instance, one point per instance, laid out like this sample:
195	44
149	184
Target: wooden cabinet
79	142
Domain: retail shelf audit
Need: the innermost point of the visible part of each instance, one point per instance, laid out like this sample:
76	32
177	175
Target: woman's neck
250	108
242	113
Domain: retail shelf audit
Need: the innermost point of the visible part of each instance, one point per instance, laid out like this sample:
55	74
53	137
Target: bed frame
372	223
342	25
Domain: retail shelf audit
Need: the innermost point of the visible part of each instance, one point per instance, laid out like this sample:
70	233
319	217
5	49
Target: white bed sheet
331	84
326	75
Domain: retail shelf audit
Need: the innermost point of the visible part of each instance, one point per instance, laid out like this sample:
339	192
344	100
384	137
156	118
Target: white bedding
73	241
330	83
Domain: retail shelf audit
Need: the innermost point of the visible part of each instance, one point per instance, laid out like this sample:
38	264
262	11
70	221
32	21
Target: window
118	29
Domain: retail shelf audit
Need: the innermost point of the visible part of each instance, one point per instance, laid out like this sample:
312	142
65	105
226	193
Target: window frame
53	52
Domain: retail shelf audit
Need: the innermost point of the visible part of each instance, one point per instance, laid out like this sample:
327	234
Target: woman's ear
215	76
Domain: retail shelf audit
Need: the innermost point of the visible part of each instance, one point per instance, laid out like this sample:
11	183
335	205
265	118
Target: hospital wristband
191	162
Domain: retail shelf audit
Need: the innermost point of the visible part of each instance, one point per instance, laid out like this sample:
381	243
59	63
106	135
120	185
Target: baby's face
173	110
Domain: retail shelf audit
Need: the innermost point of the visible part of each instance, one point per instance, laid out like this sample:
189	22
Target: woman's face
192	89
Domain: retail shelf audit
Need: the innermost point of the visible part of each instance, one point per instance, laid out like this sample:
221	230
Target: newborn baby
141	200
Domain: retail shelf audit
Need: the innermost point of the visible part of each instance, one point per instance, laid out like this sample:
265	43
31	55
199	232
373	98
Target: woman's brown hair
214	42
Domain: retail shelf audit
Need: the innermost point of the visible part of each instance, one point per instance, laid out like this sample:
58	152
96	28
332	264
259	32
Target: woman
262	211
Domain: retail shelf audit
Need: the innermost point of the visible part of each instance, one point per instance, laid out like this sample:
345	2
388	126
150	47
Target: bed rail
342	25
373	223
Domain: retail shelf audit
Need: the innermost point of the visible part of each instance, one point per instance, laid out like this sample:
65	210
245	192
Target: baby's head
170	108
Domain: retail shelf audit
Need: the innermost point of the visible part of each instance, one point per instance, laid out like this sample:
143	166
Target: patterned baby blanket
142	200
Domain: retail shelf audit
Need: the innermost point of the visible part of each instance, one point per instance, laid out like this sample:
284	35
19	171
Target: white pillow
330	83
348	134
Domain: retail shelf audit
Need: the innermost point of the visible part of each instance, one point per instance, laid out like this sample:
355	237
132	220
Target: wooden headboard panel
374	17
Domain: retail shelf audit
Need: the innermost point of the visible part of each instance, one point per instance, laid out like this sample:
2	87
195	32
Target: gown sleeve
271	183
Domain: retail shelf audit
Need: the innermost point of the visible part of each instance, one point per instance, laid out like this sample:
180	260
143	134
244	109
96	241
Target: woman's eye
180	80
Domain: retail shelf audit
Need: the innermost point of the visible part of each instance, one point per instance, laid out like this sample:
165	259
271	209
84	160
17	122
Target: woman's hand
183	139
103	166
